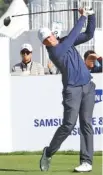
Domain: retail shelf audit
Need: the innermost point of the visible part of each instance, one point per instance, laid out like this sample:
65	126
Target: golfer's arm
89	33
72	36
70	39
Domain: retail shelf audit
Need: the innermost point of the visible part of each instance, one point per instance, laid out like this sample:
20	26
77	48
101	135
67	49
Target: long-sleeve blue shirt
66	57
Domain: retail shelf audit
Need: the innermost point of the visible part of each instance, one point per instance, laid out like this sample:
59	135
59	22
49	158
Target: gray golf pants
77	100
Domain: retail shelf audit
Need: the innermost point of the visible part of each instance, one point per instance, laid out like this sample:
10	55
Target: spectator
27	66
93	61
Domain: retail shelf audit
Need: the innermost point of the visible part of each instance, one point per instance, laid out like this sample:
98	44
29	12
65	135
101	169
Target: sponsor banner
56	122
37	112
5	98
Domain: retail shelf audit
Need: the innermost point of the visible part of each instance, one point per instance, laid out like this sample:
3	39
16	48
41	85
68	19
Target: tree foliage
4	4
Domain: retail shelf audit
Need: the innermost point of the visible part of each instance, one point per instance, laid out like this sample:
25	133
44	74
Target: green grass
29	165
69	152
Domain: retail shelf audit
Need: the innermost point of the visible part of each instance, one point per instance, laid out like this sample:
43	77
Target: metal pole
50	8
30	16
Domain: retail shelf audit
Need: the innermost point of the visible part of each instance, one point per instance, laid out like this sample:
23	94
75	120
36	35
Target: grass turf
29	165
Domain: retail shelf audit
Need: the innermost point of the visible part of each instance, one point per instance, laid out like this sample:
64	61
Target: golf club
8	19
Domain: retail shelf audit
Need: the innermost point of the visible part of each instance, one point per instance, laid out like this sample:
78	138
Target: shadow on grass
36	170
26	171
63	170
17	170
68	171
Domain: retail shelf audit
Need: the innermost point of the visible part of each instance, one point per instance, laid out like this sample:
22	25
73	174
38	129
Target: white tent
18	24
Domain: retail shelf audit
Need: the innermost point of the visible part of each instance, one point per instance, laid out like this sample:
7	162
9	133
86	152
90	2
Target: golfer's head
47	37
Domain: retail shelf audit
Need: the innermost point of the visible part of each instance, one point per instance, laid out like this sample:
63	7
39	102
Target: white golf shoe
84	167
45	161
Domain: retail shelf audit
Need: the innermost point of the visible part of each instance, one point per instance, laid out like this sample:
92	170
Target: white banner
5	115
37	112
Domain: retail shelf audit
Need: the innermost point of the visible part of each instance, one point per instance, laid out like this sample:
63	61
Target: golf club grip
43	12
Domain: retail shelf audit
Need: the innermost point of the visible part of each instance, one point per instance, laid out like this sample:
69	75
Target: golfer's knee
86	128
68	128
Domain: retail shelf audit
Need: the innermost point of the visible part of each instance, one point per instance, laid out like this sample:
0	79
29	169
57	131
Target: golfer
78	89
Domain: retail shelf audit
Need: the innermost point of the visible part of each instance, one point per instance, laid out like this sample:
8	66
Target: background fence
68	19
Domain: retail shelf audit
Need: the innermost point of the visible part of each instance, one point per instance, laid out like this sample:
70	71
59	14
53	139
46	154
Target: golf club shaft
53	11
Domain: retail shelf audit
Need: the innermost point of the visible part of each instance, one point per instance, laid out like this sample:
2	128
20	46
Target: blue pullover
66	57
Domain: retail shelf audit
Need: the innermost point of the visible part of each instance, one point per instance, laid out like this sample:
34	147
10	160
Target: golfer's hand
89	11
82	11
86	11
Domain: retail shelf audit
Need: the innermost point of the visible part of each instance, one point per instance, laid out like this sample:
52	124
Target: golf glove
89	11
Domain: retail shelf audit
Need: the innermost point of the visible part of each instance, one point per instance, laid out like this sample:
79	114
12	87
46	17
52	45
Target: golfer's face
50	41
26	55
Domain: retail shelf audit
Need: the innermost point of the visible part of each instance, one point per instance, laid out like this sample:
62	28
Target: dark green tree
4	4
3	7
